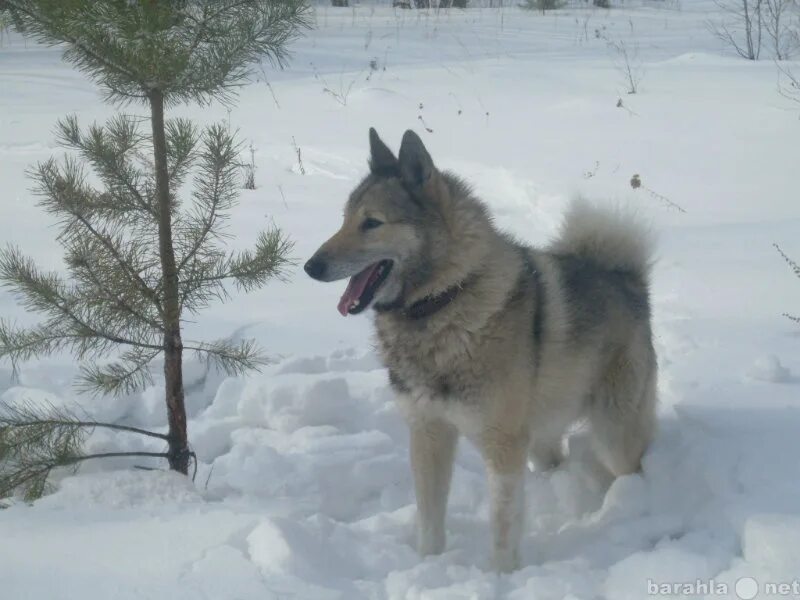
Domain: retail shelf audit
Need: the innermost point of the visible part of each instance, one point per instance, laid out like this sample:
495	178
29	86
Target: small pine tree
139	259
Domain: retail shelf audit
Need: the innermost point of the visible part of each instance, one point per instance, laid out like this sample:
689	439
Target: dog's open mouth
362	287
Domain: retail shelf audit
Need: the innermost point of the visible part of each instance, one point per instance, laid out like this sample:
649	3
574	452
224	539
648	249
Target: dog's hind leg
433	445
622	415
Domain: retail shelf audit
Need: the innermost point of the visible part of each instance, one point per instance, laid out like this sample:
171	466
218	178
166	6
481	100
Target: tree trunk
178	454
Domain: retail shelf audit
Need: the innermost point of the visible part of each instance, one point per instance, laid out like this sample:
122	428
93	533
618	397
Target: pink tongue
355	288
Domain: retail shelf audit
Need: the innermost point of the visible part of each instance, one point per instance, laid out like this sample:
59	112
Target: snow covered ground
304	489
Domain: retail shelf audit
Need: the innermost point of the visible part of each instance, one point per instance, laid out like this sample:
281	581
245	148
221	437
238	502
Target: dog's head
384	244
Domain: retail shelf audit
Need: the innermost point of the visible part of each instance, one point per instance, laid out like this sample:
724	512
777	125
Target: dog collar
425	307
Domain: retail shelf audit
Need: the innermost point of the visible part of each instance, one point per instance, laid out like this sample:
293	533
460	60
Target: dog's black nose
315	268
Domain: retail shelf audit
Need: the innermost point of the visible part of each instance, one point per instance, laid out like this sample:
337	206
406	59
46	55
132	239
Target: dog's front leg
505	463
433	444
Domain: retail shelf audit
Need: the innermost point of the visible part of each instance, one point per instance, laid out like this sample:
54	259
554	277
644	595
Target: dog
488	338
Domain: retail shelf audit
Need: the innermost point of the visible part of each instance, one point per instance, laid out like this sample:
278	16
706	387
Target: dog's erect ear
416	165
381	159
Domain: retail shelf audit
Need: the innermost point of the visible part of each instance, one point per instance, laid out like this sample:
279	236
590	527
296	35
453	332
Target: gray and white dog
483	336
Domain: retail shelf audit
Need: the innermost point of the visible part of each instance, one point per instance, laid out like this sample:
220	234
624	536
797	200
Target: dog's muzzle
316	268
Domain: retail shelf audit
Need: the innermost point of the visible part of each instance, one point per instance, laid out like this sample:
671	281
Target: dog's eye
370	223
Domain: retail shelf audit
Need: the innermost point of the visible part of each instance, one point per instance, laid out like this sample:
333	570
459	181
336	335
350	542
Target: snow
769	368
122	489
303	487
772	542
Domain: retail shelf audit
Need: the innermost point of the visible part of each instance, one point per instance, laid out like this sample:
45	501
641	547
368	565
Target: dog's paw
430	542
505	560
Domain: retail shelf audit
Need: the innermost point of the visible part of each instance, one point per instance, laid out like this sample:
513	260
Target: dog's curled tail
613	238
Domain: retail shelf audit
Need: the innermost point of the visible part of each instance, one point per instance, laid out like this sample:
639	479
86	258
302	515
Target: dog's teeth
356	303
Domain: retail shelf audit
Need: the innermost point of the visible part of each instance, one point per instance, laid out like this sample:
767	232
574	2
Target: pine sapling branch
231	358
36	439
108	149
